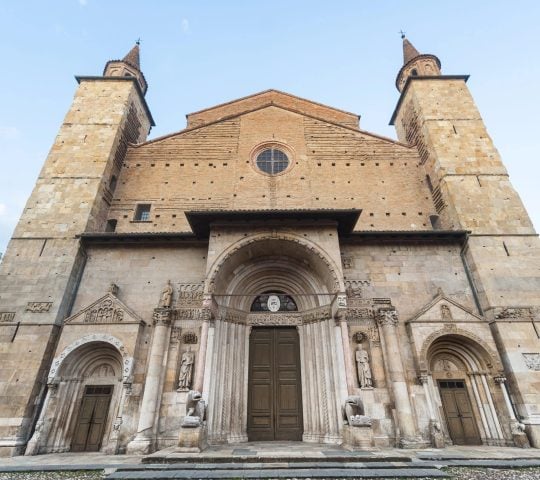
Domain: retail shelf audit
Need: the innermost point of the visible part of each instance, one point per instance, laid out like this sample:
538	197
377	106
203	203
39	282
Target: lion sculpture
195	410
353	412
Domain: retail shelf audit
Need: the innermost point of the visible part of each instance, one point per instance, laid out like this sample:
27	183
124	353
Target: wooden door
92	417
275	395
458	411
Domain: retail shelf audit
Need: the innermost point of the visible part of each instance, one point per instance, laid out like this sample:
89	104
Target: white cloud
3	209
9	133
185	25
83	3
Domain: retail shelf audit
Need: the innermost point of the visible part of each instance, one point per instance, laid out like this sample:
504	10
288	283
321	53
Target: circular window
272	161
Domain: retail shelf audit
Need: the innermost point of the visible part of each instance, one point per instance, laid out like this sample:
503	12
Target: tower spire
133	56
416	64
409	52
129	66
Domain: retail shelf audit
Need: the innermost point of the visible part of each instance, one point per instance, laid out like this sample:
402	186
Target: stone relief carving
342	301
359	314
186	371
532	360
166	296
373	335
271	319
7	316
192	314
387	317
113	289
446	314
127	361
353	412
363	368
515	312
38	307
195	410
104	312
190	338
346	261
162	316
359	337
354	288
175	334
190	295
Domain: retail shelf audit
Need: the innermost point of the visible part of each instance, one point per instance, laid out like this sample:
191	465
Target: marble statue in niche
186	371
166	296
362	363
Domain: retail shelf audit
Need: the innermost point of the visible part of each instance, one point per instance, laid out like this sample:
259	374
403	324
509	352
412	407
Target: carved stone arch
127	360
308	245
487	354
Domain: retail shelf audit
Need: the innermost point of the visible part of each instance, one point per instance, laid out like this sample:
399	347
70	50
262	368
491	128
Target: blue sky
196	54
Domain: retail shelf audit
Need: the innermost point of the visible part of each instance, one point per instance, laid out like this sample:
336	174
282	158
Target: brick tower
471	191
43	262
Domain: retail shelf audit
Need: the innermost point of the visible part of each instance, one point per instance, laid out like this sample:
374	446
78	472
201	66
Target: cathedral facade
271	272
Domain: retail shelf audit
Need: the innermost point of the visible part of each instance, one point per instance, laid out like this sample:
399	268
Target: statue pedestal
192	440
357	438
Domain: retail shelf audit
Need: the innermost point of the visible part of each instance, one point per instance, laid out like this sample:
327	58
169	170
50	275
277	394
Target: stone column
516	427
435	428
387	320
209	308
144	441
349	368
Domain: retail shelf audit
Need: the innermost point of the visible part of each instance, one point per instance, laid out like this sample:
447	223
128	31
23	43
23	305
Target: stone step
258	458
390	471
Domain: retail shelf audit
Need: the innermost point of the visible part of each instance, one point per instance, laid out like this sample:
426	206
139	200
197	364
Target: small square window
142	214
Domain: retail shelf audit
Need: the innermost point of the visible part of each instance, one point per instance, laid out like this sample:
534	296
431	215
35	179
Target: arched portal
291	267
83	400
461	377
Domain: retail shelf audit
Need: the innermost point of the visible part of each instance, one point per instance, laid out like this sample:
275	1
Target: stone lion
353	412
195	410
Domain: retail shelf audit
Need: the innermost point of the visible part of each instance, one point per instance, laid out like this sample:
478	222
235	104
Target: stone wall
333	167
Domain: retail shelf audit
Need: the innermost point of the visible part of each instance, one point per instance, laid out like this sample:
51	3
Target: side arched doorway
274	375
464	388
82	401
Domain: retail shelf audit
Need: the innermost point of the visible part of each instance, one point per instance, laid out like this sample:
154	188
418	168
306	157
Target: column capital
162	316
499	379
423	378
387	317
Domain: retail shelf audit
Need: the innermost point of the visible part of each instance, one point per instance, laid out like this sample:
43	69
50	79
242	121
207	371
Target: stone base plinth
357	438
521	440
415	442
192	440
140	446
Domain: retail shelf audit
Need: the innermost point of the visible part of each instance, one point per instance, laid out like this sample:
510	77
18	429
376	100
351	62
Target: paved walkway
276	450
281	459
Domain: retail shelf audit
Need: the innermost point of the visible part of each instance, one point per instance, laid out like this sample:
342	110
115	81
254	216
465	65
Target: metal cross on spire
402	33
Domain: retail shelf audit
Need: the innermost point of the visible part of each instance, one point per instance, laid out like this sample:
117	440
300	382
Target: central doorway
274	392
459	413
92	418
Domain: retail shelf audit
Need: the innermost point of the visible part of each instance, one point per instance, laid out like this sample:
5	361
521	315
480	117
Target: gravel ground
74	475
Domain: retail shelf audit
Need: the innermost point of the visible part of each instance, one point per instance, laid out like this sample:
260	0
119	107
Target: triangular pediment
443	309
267	98
107	309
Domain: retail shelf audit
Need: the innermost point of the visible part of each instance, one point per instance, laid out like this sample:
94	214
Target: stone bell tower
44	259
471	190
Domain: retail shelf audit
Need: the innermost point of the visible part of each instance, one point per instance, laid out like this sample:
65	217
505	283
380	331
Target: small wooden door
92	417
458	411
275	394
